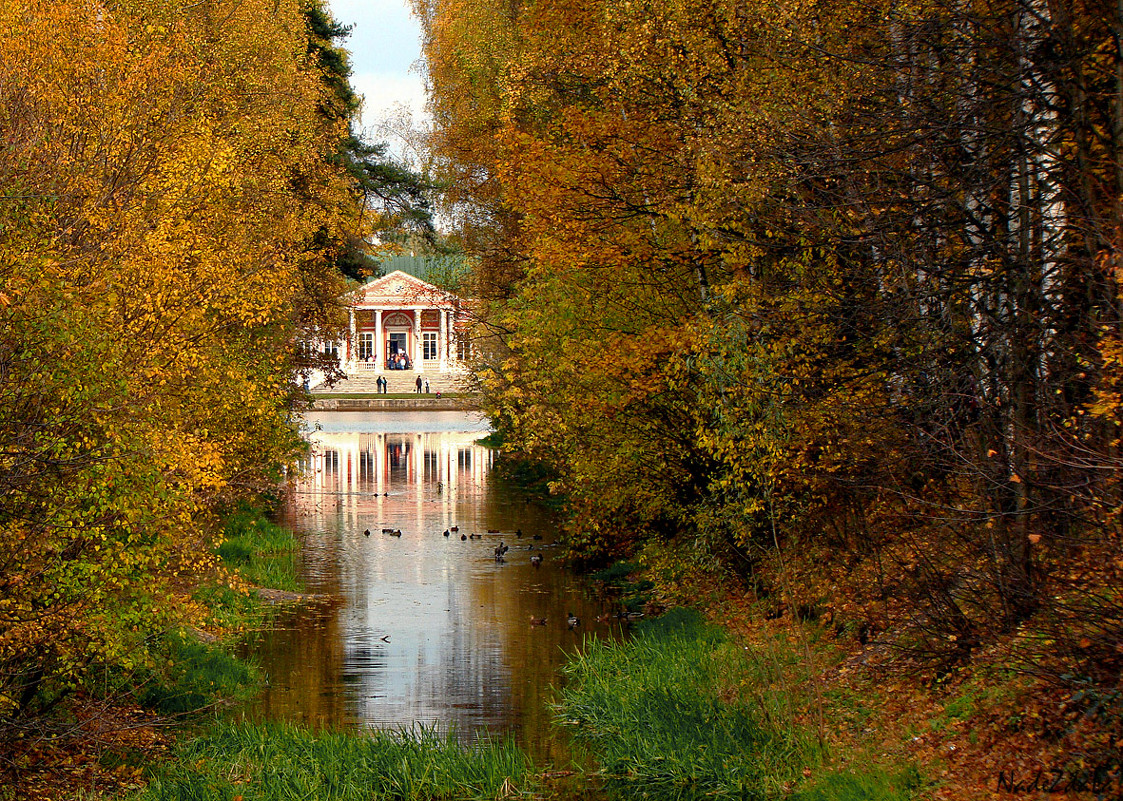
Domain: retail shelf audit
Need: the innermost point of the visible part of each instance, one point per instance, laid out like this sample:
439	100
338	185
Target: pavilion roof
400	289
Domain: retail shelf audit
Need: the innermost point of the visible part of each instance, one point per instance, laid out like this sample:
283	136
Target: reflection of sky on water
424	628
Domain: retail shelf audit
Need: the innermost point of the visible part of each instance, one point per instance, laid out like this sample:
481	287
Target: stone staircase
398	382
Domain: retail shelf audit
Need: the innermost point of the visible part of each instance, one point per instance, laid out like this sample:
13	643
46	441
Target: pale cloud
385	46
385	95
385	37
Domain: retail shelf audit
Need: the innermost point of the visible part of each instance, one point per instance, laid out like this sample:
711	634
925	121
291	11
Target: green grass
281	762
189	675
872	784
261	551
665	717
197	675
680	712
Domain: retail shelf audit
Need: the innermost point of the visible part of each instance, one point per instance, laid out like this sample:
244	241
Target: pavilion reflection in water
373	462
364	474
420	628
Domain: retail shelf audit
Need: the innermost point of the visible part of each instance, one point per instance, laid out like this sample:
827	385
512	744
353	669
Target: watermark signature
1100	780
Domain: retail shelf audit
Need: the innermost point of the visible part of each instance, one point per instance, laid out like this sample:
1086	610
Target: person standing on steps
418	383
426	386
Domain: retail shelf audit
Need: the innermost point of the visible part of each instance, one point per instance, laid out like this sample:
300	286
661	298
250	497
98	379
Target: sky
385	45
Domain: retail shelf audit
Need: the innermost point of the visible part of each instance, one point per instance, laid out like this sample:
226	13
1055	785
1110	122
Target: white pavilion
401	323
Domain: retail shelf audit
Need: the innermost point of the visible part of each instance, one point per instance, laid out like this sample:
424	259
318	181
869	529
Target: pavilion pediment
397	318
401	289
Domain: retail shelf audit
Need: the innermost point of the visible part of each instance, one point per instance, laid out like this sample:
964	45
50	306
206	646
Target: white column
379	345
449	335
351	354
417	360
450	328
442	339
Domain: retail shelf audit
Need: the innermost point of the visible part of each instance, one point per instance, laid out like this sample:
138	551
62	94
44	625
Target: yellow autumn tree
836	279
639	148
164	170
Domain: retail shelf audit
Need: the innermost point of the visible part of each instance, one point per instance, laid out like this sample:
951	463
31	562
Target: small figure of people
418	383
426	386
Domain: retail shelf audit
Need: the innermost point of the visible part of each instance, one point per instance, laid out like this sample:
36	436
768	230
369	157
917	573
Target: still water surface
421	628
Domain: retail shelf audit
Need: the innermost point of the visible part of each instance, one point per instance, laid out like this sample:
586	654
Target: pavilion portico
399	322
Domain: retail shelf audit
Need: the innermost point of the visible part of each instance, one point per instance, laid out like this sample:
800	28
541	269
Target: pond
419	627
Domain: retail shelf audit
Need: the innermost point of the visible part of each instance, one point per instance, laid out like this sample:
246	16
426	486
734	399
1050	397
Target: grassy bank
682	712
217	760
198	669
175	674
255	554
262	552
283	762
679	712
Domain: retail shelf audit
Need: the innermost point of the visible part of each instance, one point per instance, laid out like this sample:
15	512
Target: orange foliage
164	169
821	298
